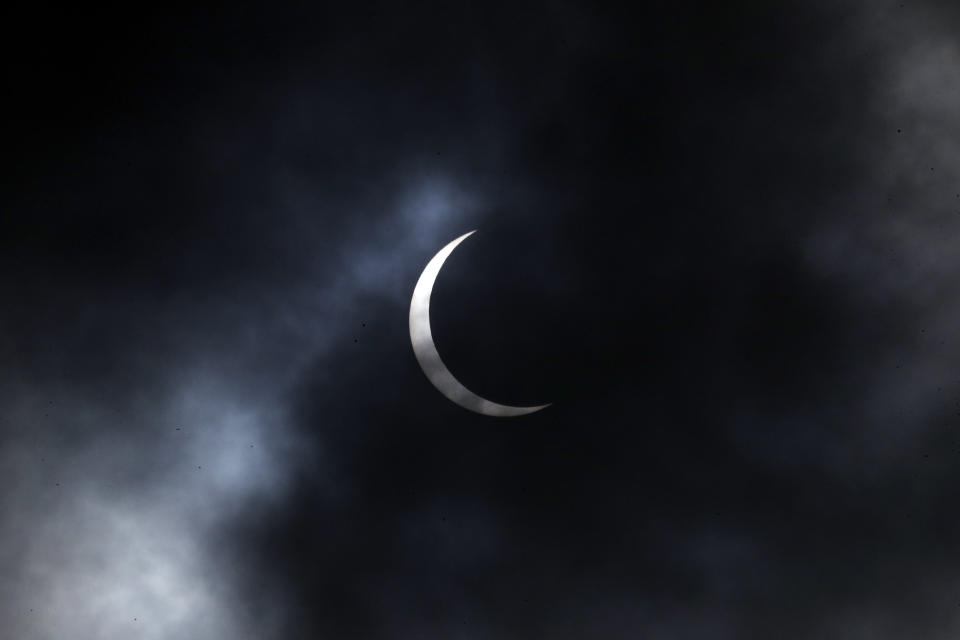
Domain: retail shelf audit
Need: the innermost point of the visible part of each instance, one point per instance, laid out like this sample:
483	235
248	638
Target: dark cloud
719	239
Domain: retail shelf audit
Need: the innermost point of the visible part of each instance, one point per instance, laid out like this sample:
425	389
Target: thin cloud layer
721	242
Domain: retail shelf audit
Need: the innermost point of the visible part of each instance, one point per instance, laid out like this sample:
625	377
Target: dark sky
722	239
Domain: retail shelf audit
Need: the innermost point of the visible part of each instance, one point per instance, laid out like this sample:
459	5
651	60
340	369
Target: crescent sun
426	351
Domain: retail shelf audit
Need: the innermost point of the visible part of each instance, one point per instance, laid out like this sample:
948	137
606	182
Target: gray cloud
213	427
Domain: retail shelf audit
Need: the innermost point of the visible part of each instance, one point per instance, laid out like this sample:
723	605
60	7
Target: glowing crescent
426	351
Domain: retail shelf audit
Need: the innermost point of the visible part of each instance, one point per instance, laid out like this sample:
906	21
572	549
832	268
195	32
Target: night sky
722	239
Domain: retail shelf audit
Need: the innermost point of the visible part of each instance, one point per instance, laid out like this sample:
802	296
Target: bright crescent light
426	351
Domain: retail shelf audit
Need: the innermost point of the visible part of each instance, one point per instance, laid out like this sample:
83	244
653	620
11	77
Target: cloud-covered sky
721	240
